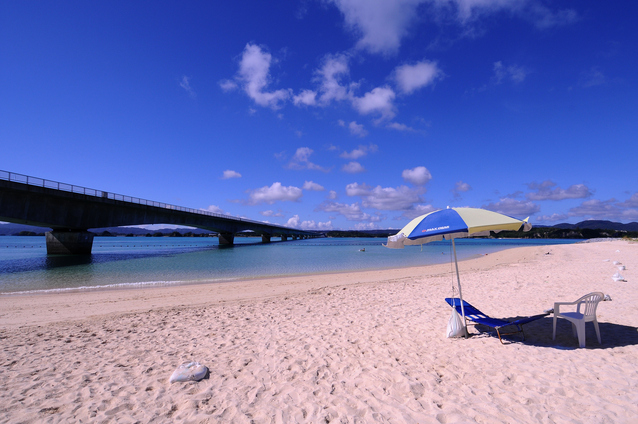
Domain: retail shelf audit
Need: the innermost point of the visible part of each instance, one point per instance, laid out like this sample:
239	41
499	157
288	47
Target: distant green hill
600	225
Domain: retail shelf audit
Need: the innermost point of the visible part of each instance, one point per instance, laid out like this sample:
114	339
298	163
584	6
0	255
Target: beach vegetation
565	233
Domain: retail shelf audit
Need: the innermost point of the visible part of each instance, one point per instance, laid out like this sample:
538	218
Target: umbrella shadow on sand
539	333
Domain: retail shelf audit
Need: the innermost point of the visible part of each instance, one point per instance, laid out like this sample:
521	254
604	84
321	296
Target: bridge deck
70	208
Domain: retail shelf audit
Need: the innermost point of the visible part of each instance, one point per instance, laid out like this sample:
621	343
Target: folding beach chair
480	318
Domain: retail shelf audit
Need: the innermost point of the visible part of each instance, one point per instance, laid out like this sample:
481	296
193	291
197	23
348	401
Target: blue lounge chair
480	318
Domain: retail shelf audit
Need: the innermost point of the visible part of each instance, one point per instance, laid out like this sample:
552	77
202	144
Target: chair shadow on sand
539	333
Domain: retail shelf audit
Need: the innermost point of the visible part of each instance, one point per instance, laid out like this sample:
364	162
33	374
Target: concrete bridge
72	210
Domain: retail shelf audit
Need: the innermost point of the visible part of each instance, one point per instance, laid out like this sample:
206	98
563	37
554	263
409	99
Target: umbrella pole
458	281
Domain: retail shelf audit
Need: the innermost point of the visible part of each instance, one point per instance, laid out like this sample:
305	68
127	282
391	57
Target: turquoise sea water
148	261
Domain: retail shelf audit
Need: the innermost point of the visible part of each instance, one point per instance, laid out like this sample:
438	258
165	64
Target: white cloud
312	186
357	129
608	209
418	176
629	215
417	210
362	226
471	9
513	207
254	73
555	217
600	209
632	202
270	213
460	187
545	18
230	174
319	226
306	97
378	101
186	85
301	160
380	24
394	199
275	193
329	76
532	10
412	77
514	73
215	209
356	189
385	198
359	152
295	222
353	168
351	212
547	190
227	85
592	78
332	195
399	127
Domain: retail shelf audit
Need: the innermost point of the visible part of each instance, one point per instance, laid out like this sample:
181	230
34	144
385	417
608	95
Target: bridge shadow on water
51	262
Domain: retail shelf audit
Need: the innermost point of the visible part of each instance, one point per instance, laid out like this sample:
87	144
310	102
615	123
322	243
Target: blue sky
329	114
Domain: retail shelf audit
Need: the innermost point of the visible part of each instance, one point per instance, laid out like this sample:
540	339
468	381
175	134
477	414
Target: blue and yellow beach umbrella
454	223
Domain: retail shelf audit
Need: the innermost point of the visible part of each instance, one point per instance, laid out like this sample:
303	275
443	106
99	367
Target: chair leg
580	329
597	331
554	334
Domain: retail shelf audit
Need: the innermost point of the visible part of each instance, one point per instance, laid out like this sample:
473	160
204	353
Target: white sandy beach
362	347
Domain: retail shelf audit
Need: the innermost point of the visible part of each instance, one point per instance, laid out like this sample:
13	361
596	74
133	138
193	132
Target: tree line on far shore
566	233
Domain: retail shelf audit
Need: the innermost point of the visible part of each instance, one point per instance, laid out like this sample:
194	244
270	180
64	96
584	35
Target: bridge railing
40	182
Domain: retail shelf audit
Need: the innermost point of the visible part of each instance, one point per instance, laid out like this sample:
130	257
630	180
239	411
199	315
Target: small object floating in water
189	371
617	277
362	250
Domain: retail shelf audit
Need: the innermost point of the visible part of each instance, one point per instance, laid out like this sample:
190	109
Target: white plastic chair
589	303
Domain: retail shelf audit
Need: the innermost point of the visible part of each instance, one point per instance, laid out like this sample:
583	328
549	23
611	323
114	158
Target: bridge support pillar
284	238
295	237
226	239
265	238
69	242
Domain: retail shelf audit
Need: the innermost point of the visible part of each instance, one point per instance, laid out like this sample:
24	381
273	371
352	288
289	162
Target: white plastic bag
455	326
618	277
189	371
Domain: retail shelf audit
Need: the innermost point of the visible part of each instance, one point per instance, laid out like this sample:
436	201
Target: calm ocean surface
148	261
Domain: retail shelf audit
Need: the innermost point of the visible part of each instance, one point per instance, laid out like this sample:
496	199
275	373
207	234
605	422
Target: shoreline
77	304
151	285
53	275
350	347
